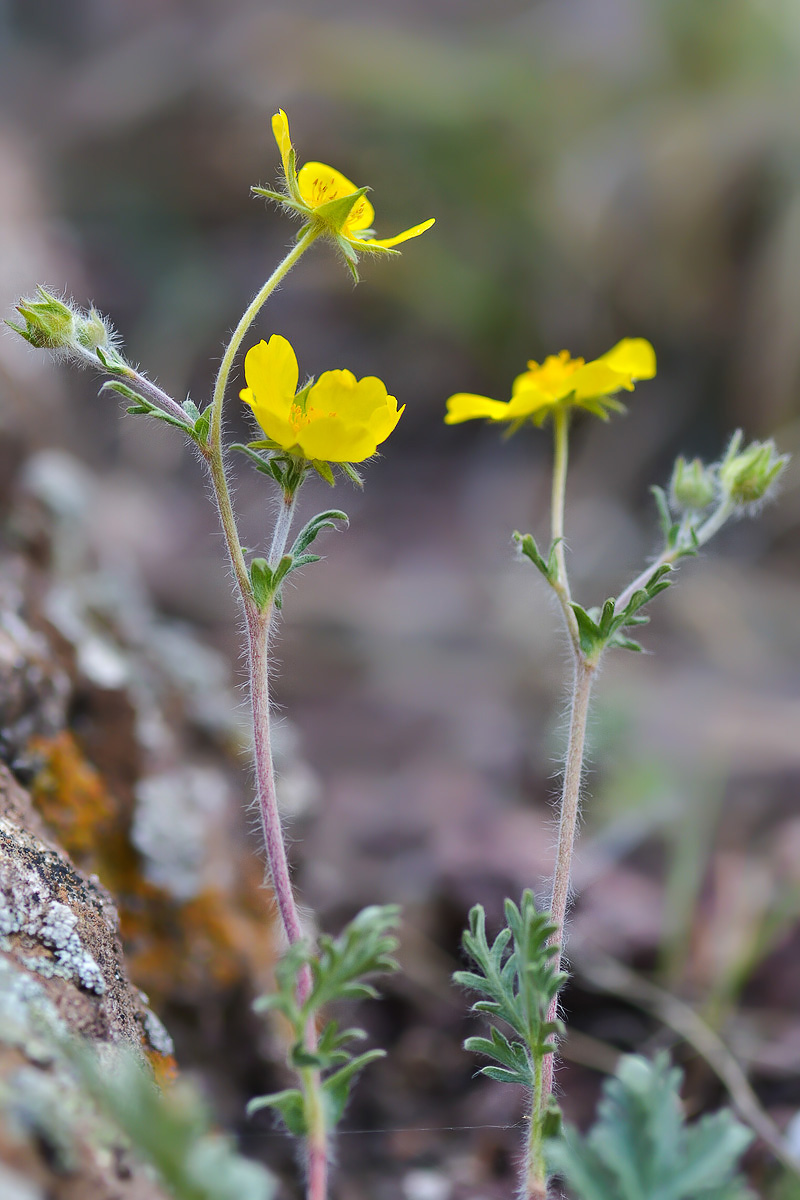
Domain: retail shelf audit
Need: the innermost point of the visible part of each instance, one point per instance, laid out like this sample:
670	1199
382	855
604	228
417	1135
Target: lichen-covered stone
62	974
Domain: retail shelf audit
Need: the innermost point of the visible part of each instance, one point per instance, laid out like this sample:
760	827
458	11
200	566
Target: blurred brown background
598	169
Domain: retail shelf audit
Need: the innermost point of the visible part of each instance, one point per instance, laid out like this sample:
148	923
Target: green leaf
364	947
201	427
263	581
171	1131
528	548
141	406
641	1148
259	461
289	1103
312	530
339	969
336	1088
589	635
516	982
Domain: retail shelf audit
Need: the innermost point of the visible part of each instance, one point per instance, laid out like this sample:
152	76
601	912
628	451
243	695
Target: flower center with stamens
299	417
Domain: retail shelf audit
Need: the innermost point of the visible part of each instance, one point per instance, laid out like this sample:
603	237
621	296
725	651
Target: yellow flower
338	419
562	382
321	194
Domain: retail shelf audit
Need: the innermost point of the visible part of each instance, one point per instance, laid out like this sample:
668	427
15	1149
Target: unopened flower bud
692	487
49	322
748	476
91	331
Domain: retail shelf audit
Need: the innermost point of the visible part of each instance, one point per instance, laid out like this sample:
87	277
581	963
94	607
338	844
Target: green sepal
289	1103
334	213
278	197
324	471
352	474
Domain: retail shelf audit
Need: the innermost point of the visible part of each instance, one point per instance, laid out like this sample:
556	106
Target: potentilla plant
321	426
518	976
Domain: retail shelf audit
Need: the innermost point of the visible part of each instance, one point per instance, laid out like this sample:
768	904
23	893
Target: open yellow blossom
338	419
562	382
320	193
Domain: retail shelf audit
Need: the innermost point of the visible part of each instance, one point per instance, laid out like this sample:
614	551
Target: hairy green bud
92	332
49	322
748	476
692	487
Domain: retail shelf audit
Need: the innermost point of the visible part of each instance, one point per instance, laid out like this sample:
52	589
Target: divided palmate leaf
641	1147
339	969
517	982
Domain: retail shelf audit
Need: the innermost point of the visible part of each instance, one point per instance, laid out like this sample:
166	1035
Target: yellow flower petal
632	356
274	426
332	439
596	379
465	406
527	400
352	399
384	420
271	371
413	232
320	183
280	128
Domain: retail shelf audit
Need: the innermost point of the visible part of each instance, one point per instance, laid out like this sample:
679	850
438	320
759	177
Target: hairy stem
282	526
237	337
317	1140
570	812
535	1181
222	496
560	462
257	632
156	394
685	545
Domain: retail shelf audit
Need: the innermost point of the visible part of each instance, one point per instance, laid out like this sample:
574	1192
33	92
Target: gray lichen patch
157	1034
27	1015
176	815
29	909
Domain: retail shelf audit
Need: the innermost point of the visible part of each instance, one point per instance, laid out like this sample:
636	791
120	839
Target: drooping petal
280	128
465	406
632	356
384	420
320	183
413	232
271	371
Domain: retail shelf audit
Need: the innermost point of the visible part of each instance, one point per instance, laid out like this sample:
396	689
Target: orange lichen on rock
177	950
71	797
